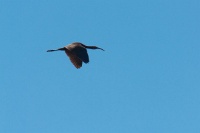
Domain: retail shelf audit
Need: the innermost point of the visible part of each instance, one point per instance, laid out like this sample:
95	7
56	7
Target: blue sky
147	80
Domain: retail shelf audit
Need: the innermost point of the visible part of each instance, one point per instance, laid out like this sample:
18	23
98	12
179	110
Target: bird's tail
56	49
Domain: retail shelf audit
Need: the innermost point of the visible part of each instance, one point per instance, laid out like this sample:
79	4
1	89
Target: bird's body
77	53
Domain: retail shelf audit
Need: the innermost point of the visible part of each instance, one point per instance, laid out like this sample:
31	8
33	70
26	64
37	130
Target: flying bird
77	53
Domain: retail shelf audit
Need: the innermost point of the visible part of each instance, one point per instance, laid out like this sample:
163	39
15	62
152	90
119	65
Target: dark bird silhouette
77	53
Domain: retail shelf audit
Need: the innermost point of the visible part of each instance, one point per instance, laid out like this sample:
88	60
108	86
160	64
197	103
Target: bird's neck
91	47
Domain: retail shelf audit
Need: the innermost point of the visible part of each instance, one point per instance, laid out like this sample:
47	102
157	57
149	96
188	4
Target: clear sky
147	80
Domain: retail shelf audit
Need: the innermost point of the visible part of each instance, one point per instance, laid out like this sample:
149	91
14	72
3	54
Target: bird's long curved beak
100	48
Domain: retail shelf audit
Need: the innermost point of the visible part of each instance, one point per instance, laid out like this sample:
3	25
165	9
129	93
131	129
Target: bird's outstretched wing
80	51
82	54
74	59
